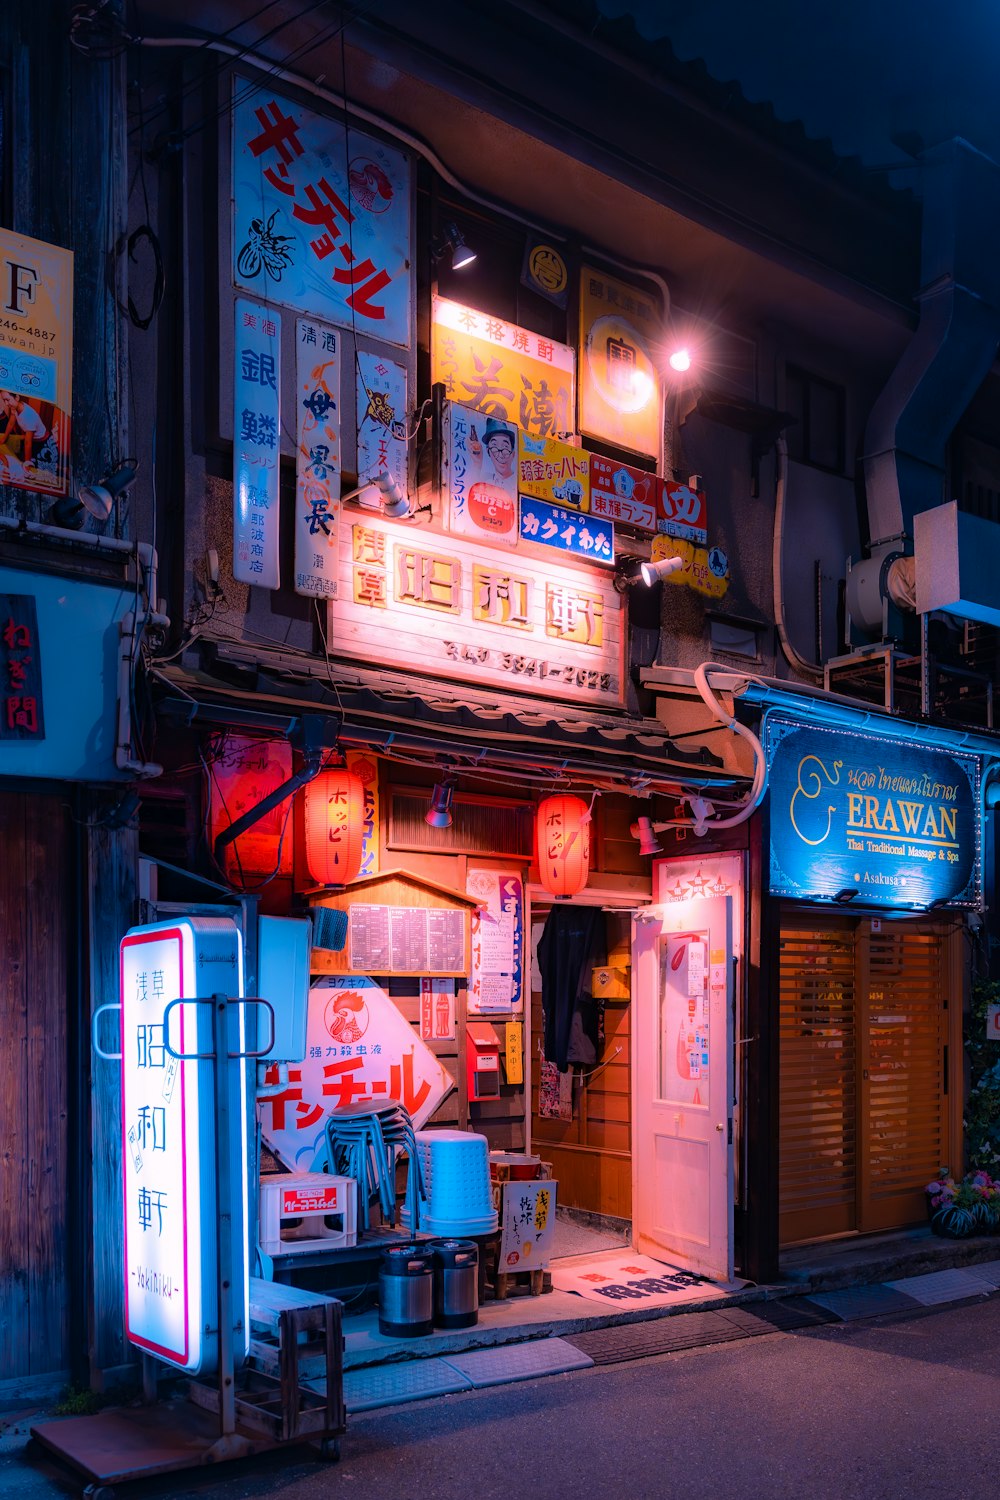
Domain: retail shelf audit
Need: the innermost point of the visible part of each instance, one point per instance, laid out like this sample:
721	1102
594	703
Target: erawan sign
889	823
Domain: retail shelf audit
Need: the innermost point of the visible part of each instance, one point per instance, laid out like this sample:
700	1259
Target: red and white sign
437	1010
620	493
314	1200
359	1049
993	1023
683	511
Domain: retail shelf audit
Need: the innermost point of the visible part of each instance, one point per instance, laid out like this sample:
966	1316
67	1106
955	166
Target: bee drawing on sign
264	248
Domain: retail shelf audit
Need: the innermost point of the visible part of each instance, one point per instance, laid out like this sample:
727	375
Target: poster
359	1049
575	536
256	444
482	476
622	494
317	458
36	363
527	1214
619	383
437	1010
321	216
504	371
381	418
554	471
495	982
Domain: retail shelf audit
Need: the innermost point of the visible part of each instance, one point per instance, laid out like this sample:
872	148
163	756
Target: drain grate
608	1346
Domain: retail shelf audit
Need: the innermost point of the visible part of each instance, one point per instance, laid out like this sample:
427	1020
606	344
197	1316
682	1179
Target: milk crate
301	1211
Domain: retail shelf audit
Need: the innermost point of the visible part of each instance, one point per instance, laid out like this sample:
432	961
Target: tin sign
573	535
620	493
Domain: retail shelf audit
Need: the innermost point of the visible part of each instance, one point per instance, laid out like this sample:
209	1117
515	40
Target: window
818	406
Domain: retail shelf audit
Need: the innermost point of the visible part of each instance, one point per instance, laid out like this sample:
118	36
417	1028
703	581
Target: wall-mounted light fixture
642	829
451	241
383	493
438	815
631	571
97	499
847	894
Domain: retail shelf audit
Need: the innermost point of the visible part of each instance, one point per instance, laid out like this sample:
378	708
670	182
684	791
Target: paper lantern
335	826
244	771
562	837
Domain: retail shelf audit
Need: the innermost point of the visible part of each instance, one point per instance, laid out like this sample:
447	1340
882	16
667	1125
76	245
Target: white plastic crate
302	1211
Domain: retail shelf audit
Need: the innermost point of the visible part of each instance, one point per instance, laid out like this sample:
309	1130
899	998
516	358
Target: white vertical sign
168	1128
381	418
256	443
317	458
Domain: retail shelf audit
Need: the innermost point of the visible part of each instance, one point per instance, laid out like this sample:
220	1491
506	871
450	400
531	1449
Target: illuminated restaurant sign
878	820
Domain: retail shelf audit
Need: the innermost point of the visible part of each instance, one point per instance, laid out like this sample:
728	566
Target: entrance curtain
573	943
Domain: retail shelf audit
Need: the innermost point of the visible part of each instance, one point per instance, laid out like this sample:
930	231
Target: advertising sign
497	941
317	458
359	1048
623	494
256	444
705	569
554	471
448	607
168	1145
381	418
36	363
858	816
577	536
504	371
682	511
22	717
619	383
481	475
365	768
321	216
527	1213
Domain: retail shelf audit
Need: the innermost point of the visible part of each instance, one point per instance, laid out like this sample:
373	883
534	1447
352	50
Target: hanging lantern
243	771
562	837
335	826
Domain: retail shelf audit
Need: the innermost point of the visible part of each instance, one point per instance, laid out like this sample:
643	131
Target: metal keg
456	1284
406	1291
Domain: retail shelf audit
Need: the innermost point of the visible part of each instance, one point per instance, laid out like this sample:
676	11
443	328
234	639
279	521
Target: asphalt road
861	1411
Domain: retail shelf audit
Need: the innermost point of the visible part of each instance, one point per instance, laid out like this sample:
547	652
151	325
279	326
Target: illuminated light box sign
168	1129
879	821
450	607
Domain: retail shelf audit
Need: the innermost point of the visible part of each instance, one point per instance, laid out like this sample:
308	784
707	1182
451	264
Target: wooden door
870	1039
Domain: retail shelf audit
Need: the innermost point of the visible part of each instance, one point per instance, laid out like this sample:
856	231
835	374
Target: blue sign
567	531
879	821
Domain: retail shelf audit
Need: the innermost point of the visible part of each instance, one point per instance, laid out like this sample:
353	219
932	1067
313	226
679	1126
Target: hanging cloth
573	943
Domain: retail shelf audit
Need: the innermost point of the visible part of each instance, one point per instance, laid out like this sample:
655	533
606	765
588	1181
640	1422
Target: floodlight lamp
653	572
643	830
99	498
438	815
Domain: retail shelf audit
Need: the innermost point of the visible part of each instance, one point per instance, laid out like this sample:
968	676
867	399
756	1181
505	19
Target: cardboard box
612	983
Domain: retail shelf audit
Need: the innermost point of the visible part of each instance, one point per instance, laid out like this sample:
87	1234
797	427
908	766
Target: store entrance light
438	815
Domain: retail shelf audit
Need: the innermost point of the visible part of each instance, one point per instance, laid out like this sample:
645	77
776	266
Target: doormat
623	1278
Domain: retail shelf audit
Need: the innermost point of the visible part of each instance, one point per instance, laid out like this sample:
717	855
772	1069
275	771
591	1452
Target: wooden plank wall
34	871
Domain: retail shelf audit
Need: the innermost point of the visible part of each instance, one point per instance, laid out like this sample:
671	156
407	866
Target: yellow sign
619	383
507	372
546	272
513	1059
706	569
554	471
36	363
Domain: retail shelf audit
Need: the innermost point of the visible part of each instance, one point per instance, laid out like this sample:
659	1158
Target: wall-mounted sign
36	363
554	471
381	418
321	216
623	494
544	271
424	940
448	607
365	768
256	444
575	535
705	570
481	475
437	1010
243	771
359	1049
504	371
682	511
497	941
22	716
168	1146
859	817
317	458
619	383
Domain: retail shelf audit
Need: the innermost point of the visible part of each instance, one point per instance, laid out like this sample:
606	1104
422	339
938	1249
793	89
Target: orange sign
619	383
506	372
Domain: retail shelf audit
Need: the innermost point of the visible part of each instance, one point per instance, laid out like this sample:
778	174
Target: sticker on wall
381	418
317	458
577	536
482	475
554	471
256	444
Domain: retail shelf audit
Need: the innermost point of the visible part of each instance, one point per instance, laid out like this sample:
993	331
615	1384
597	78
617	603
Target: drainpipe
952	350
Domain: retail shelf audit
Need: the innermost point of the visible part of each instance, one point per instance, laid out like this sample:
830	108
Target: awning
266	691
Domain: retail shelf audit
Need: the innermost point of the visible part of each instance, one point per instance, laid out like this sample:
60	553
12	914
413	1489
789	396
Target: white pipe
808	669
144	552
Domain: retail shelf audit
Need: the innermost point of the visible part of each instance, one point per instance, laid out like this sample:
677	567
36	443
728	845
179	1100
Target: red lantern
562	837
243	772
335	826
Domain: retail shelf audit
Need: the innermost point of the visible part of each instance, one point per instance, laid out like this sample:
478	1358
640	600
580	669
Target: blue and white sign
321	217
568	532
256	443
879	821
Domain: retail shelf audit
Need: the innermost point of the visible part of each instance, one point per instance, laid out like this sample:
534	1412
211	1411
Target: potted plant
959	1209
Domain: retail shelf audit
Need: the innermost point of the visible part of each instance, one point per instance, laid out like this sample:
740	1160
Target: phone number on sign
532	666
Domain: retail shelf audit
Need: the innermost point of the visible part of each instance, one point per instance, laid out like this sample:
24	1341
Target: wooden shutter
818	1107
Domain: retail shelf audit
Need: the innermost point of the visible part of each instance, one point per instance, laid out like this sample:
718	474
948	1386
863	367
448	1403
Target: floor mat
519	1361
624	1279
945	1286
408	1380
864	1301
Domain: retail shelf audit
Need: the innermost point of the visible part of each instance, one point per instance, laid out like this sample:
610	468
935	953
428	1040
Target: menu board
406	940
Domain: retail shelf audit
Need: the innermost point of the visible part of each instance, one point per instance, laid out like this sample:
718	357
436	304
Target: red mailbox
482	1052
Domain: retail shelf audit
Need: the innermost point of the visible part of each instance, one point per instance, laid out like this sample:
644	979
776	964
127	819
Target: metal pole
224	1203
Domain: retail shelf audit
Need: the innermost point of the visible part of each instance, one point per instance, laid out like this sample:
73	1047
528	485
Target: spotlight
680	360
642	829
452	238
847	894
99	498
438	815
394	502
652	572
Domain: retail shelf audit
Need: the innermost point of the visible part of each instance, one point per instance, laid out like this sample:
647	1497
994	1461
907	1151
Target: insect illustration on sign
264	248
